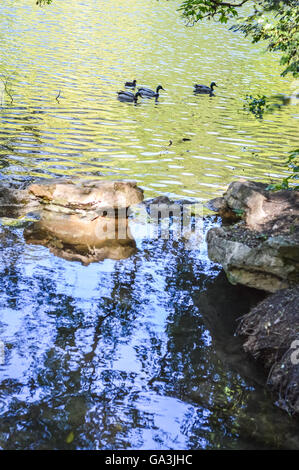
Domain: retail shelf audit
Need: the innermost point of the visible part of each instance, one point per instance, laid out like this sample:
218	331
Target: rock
87	195
219	205
251	201
262	250
85	221
269	265
247	197
67	196
165	200
158	200
272	331
78	238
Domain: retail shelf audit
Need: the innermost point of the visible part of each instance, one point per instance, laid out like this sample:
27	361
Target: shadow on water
130	354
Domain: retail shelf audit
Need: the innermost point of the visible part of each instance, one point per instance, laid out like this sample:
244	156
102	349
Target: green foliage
292	164
5	85
273	21
256	105
43	2
239	212
260	104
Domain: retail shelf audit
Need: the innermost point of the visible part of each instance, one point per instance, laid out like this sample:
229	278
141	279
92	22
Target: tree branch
228	4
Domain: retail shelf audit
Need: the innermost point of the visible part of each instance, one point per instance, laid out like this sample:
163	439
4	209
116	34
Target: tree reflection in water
136	353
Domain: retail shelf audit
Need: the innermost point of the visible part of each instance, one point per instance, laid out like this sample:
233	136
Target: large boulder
87	195
66	196
79	220
248	259
257	206
262	249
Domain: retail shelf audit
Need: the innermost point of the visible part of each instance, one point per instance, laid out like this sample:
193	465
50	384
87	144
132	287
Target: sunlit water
137	353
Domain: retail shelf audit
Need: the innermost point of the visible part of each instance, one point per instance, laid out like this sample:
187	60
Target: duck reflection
84	239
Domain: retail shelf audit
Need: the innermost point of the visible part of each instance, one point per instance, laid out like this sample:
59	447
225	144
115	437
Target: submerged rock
164	200
262	250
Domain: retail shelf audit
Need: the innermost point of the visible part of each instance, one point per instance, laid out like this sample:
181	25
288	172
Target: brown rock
88	194
258	206
220	206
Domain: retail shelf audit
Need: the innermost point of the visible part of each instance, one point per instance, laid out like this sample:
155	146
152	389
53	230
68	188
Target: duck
128	96
131	84
148	93
204	88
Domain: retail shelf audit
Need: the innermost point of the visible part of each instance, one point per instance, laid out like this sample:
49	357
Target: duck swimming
131	84
204	88
128	96
148	93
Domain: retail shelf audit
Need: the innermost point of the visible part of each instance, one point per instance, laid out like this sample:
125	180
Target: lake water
137	353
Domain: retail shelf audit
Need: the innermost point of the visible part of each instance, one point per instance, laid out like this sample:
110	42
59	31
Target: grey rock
263	250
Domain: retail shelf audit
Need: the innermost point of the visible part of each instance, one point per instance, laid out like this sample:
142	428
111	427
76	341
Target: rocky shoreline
258	246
